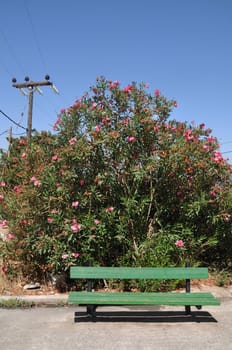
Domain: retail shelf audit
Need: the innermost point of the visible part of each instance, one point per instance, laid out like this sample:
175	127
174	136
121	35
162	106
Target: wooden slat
138	273
124	298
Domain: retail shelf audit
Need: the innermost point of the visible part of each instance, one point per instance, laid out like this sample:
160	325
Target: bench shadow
145	316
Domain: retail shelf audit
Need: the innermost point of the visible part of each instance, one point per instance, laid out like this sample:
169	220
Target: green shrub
120	183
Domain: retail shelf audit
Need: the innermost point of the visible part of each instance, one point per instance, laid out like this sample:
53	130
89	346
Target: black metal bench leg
91	310
187	290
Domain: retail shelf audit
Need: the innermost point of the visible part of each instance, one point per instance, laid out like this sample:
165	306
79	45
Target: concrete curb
55	299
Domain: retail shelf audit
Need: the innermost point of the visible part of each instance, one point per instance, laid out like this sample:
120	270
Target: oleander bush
119	182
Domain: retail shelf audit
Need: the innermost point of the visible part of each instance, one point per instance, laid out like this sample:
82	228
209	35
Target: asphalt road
117	328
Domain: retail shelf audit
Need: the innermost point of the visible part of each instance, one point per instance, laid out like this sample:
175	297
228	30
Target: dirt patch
16	287
12	288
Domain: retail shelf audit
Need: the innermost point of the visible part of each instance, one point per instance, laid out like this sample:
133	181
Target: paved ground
50	328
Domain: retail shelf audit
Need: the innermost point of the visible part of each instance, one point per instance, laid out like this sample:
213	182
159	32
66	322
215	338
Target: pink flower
131	139
206	148
217	157
35	181
50	220
23	222
227	217
96	221
54	157
212	194
97	128
72	141
179	243
54	211
109	210
126	121
75	204
4	224
57	122
175	104
10	236
17	189
24	155
211	139
4	269
106	120
64	256
22	142
75	227
188	135
1	197
128	88
190	179
157	92
82	182
114	85
75	255
94	105
3	184
156	128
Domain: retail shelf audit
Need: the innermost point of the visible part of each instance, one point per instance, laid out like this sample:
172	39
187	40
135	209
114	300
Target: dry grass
15	286
8	286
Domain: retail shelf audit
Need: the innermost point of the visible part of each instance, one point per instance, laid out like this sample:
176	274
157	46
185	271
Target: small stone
32	286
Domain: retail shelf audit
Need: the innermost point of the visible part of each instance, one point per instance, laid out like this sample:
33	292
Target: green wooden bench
93	299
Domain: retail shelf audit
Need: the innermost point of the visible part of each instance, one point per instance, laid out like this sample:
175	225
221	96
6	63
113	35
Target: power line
11	51
19	134
36	41
6	68
227	152
14	122
4	132
34	35
224	143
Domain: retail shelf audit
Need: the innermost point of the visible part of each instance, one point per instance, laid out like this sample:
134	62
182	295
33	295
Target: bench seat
135	298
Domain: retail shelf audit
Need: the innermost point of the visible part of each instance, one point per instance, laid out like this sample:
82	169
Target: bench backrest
83	272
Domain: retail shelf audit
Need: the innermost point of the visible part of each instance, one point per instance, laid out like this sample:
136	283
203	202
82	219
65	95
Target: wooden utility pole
9	141
30	106
32	86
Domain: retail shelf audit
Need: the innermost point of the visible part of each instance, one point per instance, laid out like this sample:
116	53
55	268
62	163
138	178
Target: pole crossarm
31	84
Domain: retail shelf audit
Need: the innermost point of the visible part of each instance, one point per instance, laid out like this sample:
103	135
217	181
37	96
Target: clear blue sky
182	47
